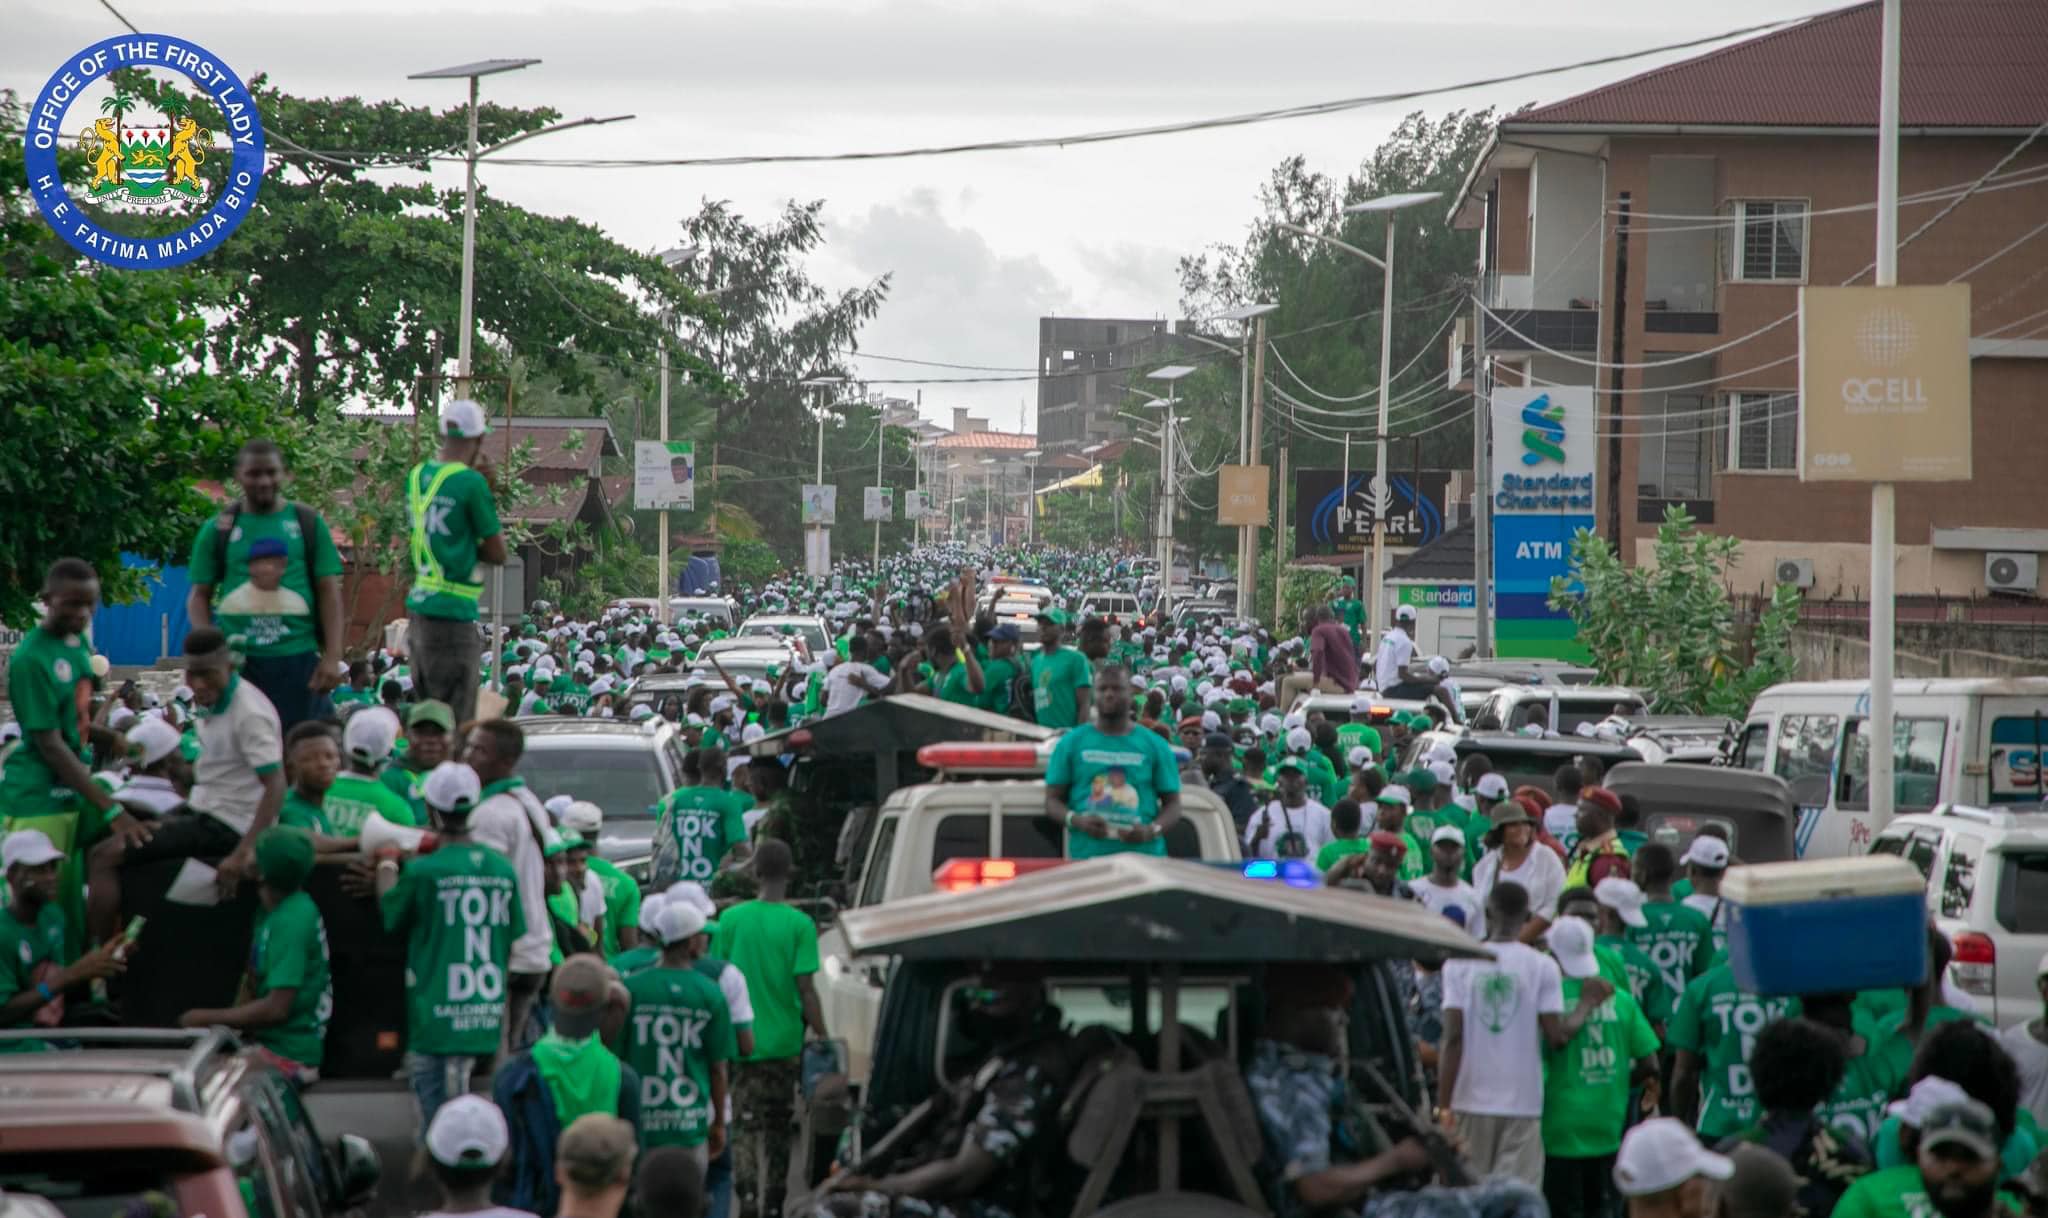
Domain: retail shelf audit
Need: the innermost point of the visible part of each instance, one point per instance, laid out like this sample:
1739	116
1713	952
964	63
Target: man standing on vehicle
775	947
1060	676
455	531
1112	784
1396	649
1332	660
274	564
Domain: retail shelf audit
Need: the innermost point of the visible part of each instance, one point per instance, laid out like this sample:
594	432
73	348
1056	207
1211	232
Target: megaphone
379	835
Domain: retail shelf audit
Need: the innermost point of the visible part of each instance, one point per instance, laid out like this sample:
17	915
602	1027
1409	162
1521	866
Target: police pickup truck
981	824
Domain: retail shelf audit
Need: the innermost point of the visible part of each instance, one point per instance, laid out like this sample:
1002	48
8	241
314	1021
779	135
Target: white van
1975	741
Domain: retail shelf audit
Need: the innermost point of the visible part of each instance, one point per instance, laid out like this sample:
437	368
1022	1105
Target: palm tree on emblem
118	105
174	106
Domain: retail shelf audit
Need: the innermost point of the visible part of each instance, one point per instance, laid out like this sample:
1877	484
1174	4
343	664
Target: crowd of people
1595	1057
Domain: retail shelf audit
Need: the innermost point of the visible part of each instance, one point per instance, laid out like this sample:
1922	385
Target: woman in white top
1514	854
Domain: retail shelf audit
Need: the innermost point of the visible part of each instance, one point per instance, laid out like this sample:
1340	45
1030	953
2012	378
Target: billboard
916	505
820	504
1335	515
1544	461
665	474
1884	384
1245	496
874	504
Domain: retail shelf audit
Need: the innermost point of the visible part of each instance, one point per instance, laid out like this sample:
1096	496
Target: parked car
1973	742
108	1117
1559	709
1755	811
1987	888
810	628
623	767
1115	607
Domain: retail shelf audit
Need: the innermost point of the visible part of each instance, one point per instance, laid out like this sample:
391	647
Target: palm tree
174	107
118	105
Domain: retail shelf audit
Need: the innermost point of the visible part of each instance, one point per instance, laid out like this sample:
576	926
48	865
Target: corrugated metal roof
1141	907
1007	440
1963	63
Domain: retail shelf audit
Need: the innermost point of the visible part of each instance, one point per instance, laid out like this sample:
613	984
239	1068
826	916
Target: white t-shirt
590	902
237	746
1311	820
1714	909
2031	1056
1501	1073
841	694
1541	874
1561	821
507	822
1460	895
1396	649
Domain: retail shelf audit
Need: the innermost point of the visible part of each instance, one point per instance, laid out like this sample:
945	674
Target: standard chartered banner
1544	461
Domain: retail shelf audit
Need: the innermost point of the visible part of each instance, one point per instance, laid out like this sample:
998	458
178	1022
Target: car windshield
93	1184
812	635
625	782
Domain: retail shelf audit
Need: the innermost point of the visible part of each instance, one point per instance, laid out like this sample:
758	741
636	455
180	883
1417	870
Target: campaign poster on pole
874	504
915	505
665	474
821	504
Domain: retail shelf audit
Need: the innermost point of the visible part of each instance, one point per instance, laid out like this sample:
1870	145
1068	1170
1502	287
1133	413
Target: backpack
224	524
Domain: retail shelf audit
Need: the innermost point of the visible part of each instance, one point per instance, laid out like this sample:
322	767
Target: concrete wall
1825	654
1841	569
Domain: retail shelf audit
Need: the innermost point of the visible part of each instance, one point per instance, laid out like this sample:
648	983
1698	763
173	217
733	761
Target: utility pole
1248	571
1883	520
1482	477
881	435
1279	536
661	517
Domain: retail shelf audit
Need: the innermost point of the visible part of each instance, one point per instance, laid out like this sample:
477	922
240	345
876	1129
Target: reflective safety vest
427	575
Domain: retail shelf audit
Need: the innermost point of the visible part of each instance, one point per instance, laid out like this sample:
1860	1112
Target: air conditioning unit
2013	574
1796	571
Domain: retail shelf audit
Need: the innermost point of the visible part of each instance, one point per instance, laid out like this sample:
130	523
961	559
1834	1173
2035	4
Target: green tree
106	414
119	105
1669	628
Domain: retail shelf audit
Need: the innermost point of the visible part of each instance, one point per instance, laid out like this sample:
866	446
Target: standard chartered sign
1544	459
1884	377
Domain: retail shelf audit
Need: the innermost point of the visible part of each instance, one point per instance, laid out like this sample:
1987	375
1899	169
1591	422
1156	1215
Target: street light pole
881	434
1171	374
1031	497
672	259
819	384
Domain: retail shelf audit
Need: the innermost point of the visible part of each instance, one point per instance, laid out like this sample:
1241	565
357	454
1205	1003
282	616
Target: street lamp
1171	374
1253	319
1388	206
818	559
675	260
473	72
1031	498
988	511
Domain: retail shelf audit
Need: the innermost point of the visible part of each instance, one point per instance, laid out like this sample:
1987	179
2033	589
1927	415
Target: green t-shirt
955	688
634	960
679	1026
997	677
621	900
404	782
570	694
301	813
1056	676
704	822
461	514
771	944
353	797
459	910
1899	1192
277	622
42	685
290	952
1585	1084
1679	941
1872	1080
1719	1022
1644	979
30	954
348	695
1337	848
1119	778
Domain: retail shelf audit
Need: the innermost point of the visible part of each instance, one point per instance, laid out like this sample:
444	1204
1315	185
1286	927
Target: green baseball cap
1290	762
432	711
284	856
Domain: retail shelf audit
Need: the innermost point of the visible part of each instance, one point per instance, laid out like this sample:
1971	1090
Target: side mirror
360	1169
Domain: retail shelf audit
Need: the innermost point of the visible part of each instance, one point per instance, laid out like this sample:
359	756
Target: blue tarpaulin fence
134	634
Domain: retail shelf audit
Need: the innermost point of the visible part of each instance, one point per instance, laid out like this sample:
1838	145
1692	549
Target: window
1916	763
2016	747
1920	852
1806	753
1959	878
1680	436
2023	892
1031	836
875	885
1750	751
1763	432
1770	241
960	837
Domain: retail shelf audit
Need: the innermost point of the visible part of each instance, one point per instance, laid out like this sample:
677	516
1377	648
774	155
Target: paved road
381	1112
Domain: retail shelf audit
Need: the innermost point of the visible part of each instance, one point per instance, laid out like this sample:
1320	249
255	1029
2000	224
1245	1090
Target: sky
978	246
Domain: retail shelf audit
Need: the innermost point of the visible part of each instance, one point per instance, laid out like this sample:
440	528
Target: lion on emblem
100	143
188	150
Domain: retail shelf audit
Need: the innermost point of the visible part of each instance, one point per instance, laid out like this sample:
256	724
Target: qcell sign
1544	459
1884	384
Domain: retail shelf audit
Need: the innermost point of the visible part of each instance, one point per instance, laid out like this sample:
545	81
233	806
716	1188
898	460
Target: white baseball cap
691	892
1440	666
677	921
1623	897
151	740
1359	757
582	816
9	730
1298	740
650	913
370	734
1571	941
1491	786
1404	613
752	732
27	848
1708	852
121	718
1361	704
452	787
556	805
464	419
1395	793
468	1131
1447	833
1660	1154
1445	774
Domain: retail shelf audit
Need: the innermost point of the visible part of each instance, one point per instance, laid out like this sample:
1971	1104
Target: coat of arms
151	164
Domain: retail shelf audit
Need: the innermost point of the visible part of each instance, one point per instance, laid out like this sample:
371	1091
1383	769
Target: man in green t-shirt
999	675
359	689
1060	676
1586	1083
44	782
775	947
459	910
704	822
429	741
290	984
1713	1029
621	892
36	970
1954	1175
357	793
1619	907
1114	785
1677	937
679	1036
276	572
455	531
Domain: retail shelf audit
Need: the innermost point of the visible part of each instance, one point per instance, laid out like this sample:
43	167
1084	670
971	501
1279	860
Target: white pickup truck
961	834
